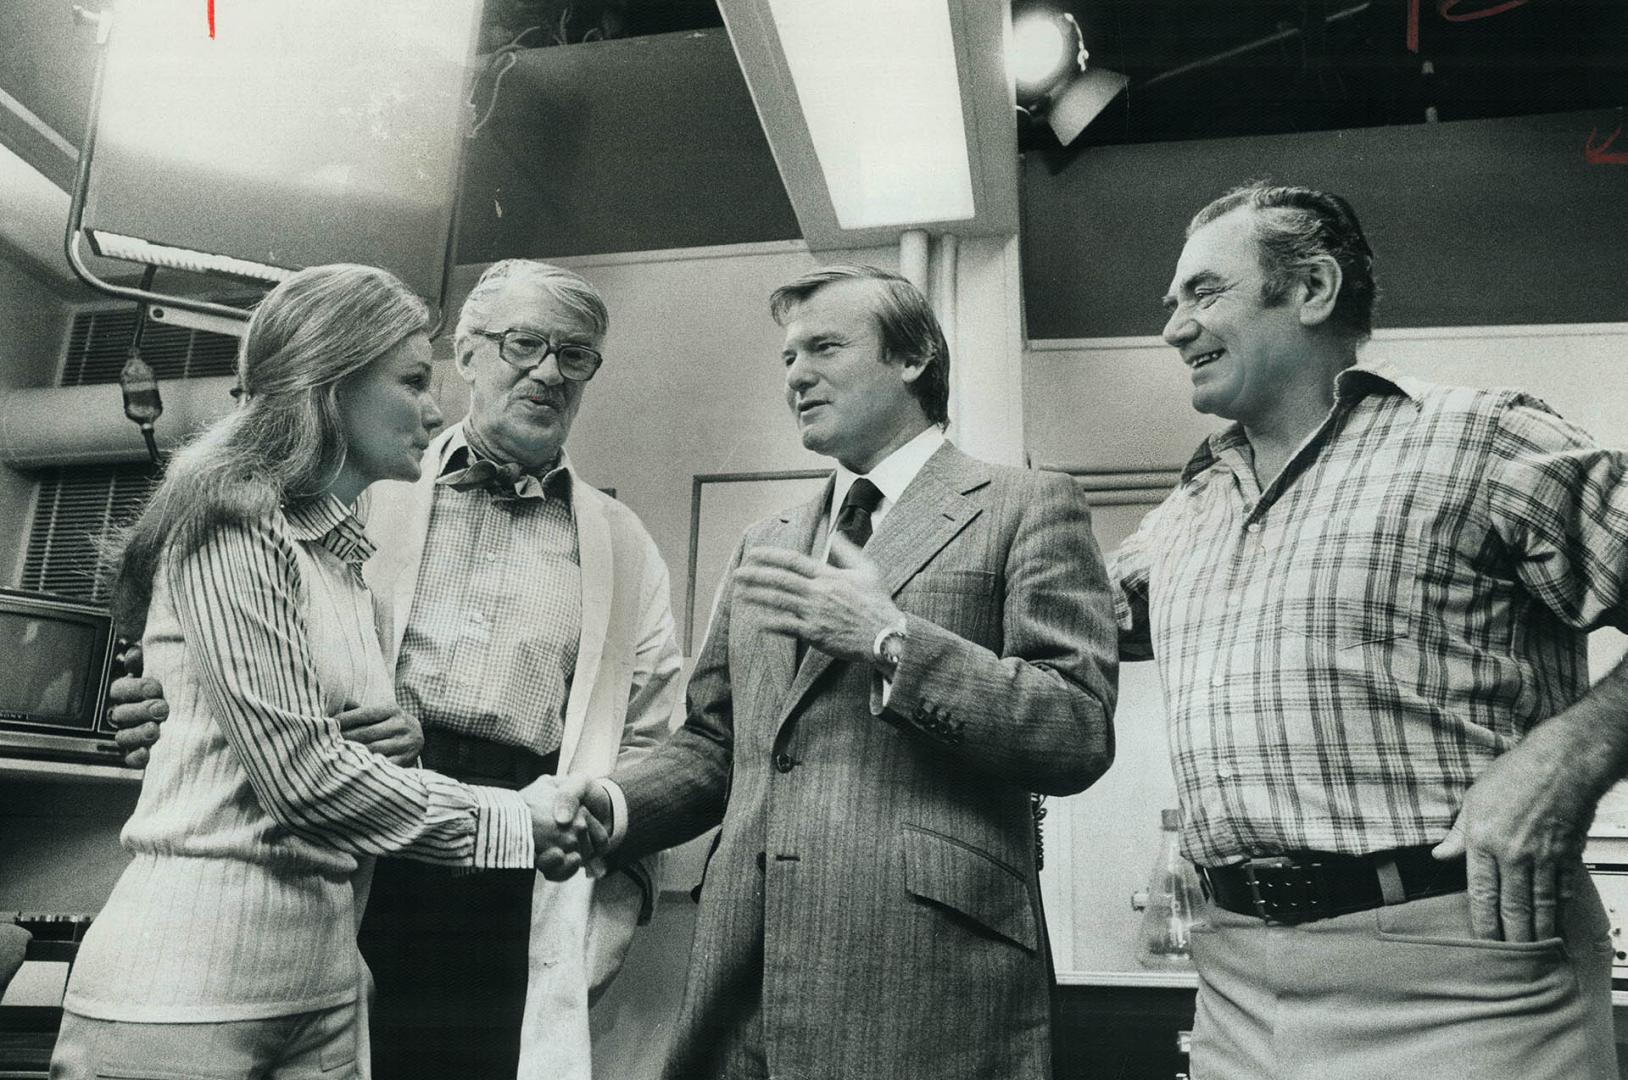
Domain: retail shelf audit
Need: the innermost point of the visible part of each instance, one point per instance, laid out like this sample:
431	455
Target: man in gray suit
868	727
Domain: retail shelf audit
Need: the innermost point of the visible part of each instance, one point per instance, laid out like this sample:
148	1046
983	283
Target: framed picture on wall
722	506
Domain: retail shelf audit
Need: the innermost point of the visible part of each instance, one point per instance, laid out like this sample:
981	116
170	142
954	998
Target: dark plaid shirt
1344	653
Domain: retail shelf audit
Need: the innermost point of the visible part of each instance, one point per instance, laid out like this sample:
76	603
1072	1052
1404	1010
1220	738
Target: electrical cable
504	58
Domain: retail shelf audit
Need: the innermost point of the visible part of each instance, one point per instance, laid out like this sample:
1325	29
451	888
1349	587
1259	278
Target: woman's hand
385	730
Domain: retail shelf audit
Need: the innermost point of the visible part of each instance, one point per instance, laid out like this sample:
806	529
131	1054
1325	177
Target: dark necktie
854	522
854	519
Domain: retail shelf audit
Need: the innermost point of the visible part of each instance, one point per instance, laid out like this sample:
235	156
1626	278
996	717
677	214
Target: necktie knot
488	475
854	519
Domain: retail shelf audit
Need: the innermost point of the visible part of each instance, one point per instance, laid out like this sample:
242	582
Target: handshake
570	824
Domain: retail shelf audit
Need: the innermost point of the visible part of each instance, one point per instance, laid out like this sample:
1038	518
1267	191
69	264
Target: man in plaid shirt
1369	599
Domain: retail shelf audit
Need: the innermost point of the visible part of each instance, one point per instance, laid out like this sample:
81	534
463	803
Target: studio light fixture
1047	49
1052	74
883	116
894	150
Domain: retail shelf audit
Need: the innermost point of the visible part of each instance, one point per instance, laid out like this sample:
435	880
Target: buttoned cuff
503	836
915	701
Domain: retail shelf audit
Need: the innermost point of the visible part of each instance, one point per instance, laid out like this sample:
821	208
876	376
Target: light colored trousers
305	1046
1403	992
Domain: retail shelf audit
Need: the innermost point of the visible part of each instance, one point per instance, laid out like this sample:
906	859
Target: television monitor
56	654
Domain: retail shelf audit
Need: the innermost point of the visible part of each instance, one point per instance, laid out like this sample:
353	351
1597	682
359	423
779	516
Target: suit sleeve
1040	714
653	702
678	791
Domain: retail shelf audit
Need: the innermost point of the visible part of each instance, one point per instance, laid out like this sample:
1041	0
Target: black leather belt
1311	885
482	761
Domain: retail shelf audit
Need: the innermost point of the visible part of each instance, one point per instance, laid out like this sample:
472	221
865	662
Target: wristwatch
888	648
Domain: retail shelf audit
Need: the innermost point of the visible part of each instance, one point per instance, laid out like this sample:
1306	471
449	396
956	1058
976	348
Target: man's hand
137	708
569	816
838	609
1521	831
385	730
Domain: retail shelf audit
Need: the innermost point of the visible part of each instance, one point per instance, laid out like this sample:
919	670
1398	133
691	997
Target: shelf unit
73	771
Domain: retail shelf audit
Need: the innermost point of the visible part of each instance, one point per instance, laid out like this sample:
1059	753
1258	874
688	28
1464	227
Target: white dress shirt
891	477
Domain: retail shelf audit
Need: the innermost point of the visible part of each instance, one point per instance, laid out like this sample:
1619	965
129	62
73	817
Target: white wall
1124	403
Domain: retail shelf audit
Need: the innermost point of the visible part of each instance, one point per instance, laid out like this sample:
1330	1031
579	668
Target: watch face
892	647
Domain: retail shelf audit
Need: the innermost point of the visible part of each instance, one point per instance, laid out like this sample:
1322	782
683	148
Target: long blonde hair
285	442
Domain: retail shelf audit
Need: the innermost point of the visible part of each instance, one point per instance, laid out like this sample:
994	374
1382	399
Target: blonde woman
228	946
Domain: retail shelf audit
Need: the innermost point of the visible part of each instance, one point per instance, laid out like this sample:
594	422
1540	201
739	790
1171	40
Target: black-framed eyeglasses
525	349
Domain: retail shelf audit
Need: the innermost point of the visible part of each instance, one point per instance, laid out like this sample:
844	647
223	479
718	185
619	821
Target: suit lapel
795	531
597	563
932	510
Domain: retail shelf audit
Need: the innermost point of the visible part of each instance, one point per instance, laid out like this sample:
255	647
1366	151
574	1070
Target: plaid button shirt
1344	653
491	646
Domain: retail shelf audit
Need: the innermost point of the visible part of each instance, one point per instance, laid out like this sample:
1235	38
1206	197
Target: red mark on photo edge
1603	154
212	20
1444	8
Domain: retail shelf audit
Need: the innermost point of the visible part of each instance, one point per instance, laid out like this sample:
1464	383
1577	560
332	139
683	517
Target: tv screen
54	659
45	675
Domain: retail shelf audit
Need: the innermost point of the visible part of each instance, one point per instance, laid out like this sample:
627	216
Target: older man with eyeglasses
529	619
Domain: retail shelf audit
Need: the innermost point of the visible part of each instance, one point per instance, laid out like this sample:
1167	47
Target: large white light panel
878	87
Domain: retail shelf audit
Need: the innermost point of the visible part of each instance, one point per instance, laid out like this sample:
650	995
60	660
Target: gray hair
1295	226
571	291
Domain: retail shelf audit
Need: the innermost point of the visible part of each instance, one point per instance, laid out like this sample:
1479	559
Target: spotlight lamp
1048	63
1047	50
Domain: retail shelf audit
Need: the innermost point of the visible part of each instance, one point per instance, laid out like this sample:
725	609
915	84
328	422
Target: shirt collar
1375	377
1356	382
895	471
332	525
456	453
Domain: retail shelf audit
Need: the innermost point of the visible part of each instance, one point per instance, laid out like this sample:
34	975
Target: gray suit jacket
872	907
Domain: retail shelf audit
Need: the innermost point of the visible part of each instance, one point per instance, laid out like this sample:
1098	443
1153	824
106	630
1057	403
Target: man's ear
1319	290
463	358
911	368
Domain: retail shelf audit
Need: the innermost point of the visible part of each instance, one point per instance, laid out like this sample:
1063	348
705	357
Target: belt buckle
1250	866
